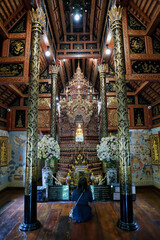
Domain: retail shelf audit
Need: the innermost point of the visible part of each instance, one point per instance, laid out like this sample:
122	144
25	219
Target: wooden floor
56	224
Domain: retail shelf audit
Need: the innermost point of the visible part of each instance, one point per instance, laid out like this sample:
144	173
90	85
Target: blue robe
82	212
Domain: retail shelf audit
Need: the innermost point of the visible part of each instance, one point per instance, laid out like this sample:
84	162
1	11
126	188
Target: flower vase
53	165
111	176
104	166
47	178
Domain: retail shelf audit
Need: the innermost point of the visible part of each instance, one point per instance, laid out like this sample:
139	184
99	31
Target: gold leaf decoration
115	13
38	16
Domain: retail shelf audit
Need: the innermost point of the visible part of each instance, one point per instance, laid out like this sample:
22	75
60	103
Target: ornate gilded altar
78	131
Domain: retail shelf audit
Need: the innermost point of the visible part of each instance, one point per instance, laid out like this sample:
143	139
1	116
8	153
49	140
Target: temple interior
74	74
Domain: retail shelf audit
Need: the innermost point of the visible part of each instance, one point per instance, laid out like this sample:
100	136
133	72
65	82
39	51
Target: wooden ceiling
92	30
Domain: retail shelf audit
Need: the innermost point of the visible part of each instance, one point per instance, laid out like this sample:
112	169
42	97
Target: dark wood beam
71	23
89	69
93	3
143	77
27	4
83	65
11	80
95	73
14	15
154	22
15	90
73	66
138	10
67	69
62	74
154	91
143	85
62	16
78	55
101	19
3	105
3	31
53	8
84	22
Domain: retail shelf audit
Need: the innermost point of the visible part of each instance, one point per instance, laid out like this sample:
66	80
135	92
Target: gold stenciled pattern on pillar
115	15
32	115
55	70
102	71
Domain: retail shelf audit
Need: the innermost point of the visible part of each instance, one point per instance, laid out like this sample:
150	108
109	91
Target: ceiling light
108	51
47	53
77	16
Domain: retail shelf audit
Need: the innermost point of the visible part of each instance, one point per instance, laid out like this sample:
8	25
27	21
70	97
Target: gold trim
38	17
102	68
55	69
115	14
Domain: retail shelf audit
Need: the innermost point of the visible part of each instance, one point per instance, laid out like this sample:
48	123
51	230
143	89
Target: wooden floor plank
106	222
56	224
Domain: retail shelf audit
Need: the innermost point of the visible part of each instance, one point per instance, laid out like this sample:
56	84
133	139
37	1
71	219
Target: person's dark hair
82	184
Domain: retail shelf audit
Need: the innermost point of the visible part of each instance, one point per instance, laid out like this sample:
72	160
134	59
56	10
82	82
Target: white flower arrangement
108	149
48	148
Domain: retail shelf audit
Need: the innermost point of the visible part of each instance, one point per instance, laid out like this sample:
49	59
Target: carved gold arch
79	107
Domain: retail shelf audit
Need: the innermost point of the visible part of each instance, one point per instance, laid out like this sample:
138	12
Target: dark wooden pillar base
127	226
126	222
26	227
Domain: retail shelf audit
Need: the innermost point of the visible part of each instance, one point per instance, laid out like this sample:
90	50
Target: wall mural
16	164
142	171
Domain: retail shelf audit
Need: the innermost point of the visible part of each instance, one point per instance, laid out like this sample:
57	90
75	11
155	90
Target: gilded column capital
55	69
102	68
38	19
115	15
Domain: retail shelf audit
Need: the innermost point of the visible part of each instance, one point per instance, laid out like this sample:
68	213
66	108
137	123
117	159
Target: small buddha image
19	125
139	121
79	134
